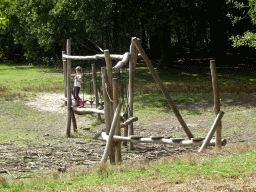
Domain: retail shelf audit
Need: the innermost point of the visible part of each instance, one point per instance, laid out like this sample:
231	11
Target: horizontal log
129	121
84	111
121	63
163	141
97	56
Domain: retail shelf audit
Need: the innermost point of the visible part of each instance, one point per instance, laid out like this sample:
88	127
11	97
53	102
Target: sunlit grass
17	79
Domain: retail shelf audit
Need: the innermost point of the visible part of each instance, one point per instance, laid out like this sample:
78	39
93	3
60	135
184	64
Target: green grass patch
25	78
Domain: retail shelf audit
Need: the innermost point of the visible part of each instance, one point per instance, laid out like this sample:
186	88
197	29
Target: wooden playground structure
112	104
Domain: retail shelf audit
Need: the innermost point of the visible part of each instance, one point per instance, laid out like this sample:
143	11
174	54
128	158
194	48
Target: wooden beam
211	132
97	56
216	94
65	75
121	63
129	121
163	89
84	111
94	78
73	118
106	99
132	68
111	134
118	157
69	101
162	141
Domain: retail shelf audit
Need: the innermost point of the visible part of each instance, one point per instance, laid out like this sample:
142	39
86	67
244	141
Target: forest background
35	31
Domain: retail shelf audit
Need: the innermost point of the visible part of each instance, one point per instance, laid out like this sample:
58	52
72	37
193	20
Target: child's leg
77	96
75	93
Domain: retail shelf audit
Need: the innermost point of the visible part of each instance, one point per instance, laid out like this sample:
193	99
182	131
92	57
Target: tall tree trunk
115	28
154	52
218	28
166	52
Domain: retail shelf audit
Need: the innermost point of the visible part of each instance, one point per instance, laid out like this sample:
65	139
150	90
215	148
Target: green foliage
247	39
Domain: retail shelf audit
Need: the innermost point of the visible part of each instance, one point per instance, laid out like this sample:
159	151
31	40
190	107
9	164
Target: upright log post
73	118
125	134
216	94
69	101
106	99
65	75
118	157
111	134
107	110
94	78
109	77
163	89
132	67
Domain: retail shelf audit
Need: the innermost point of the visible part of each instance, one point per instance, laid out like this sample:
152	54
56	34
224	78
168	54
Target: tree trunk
218	28
166	53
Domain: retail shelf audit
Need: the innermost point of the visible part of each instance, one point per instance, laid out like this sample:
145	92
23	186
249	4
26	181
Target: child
77	87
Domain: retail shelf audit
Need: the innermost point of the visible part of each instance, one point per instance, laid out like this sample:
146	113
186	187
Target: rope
108	93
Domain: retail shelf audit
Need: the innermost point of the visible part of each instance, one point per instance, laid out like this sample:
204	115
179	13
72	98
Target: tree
8	49
243	16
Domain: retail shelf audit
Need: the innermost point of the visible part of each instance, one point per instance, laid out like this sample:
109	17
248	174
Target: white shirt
76	83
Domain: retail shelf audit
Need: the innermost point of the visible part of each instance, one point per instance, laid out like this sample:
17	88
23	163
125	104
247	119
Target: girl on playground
77	87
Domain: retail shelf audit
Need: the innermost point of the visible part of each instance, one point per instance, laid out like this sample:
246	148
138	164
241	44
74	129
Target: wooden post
216	94
106	100
164	90
111	134
65	75
73	118
132	67
118	157
212	130
125	134
69	101
94	78
174	142
109	77
107	110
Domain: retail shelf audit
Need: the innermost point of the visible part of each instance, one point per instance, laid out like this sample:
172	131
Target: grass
23	125
17	79
191	92
185	168
199	81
